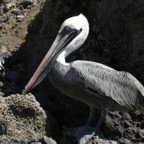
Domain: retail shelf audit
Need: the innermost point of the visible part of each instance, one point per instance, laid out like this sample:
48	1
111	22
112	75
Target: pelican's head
72	34
78	27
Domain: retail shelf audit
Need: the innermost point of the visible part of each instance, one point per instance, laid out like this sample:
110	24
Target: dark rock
44	101
9	90
13	76
130	133
25	3
18	67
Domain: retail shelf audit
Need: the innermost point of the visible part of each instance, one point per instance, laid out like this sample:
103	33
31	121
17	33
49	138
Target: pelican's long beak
61	41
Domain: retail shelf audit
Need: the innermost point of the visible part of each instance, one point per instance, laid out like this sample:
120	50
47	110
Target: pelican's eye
66	30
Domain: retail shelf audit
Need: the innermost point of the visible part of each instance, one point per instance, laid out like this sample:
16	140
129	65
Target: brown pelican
95	84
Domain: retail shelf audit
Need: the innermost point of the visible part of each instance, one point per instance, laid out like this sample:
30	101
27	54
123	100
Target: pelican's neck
62	58
76	42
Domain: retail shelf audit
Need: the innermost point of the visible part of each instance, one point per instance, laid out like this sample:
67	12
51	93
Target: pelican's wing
122	87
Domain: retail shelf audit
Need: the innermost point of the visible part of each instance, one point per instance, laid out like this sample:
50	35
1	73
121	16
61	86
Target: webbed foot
85	134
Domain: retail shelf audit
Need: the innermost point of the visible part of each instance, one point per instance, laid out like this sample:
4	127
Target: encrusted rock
22	118
8	6
98	140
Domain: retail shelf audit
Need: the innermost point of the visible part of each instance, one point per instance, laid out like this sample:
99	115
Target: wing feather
121	87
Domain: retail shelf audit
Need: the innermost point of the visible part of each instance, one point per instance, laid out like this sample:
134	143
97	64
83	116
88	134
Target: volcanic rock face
22	118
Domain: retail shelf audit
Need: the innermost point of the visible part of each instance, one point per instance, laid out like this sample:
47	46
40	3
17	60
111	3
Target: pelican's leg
91	116
102	118
84	134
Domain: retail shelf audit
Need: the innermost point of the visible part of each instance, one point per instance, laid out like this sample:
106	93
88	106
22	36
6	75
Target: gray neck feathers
58	72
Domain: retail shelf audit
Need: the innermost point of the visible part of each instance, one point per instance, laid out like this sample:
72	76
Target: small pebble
46	140
20	18
49	140
1	84
25	3
2	94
